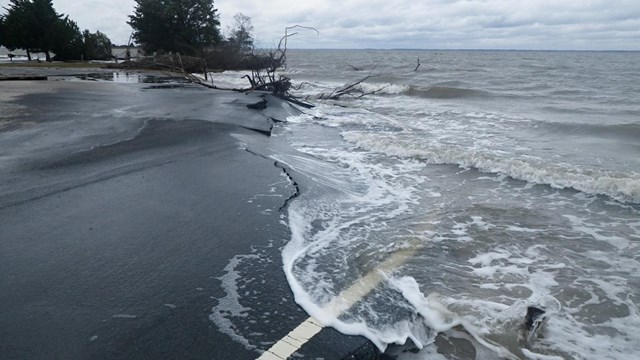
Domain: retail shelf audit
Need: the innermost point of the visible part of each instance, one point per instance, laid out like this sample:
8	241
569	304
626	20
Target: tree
96	46
67	42
241	34
16	24
34	25
44	24
185	26
2	36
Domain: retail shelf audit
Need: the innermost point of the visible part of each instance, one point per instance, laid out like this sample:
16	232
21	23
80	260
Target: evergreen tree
34	25
185	26
2	36
67	41
96	46
44	23
16	26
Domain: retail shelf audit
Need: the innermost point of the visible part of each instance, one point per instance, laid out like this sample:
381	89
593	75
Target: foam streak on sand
230	304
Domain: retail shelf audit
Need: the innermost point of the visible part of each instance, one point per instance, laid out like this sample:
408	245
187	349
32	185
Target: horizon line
465	49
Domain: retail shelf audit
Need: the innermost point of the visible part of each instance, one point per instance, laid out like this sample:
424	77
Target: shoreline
123	205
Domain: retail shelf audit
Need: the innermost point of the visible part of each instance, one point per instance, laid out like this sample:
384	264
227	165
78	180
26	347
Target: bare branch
265	76
354	89
286	30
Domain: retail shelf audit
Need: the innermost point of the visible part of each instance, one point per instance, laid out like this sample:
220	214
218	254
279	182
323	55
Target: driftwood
265	78
417	66
354	89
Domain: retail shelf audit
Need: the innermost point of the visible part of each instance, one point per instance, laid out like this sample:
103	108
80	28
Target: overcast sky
420	24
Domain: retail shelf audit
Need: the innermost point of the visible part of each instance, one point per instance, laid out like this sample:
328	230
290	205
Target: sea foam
621	186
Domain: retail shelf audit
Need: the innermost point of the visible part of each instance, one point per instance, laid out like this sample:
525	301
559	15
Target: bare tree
241	33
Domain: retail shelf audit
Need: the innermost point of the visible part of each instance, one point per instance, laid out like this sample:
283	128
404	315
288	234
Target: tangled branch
265	77
354	89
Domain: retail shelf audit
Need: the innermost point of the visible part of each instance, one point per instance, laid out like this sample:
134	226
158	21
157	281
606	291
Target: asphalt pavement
122	205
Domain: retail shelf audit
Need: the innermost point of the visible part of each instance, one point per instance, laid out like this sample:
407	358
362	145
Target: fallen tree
264	77
354	89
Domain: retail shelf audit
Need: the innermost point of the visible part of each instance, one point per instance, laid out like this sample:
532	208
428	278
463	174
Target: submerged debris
533	322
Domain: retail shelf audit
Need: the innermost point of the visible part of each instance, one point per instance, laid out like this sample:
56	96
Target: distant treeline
192	28
35	26
187	27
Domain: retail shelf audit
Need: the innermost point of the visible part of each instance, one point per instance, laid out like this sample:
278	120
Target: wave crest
621	186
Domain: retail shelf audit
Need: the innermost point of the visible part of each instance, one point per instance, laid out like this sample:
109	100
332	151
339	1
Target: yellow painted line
367	283
299	336
292	341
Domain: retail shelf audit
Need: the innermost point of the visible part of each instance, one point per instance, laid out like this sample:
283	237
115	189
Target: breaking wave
430	92
621	186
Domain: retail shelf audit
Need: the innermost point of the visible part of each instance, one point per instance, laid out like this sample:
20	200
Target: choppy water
465	191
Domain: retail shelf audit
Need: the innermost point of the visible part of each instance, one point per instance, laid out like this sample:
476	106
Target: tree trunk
204	68
48	56
28	55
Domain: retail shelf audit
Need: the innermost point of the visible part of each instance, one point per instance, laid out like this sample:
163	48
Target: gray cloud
470	24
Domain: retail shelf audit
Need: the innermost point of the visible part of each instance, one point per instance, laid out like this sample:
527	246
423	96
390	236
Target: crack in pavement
284	169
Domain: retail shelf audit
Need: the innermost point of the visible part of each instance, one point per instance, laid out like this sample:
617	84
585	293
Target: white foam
494	326
617	185
569	334
226	79
229	306
580	226
364	188
489	263
316	89
490	268
495	146
304	246
383	88
435	315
